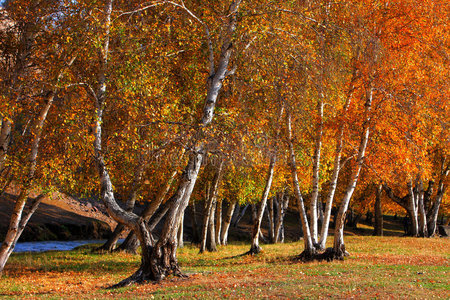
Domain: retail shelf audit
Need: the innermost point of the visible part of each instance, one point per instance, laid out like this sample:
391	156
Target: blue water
53	245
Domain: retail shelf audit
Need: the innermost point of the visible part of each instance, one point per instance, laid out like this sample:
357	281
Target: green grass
379	267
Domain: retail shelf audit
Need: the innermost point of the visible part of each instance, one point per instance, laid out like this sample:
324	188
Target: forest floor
378	267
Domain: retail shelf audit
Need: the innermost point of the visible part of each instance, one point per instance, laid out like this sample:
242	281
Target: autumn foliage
319	100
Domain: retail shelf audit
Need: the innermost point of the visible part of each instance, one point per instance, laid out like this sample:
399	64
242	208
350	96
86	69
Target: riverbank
59	217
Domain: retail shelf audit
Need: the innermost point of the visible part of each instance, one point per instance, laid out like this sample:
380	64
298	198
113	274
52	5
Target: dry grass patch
387	267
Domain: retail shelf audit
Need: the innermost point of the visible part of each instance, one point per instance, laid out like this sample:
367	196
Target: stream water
53	245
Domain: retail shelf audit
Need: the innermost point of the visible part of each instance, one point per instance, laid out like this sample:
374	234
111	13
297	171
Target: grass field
379	267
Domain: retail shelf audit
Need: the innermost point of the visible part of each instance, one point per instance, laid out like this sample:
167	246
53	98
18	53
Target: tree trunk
195	236
131	243
255	248
218	222
423	231
159	260
208	239
23	222
434	211
282	206
378	230
412	210
320	212
110	244
236	213
180	233
227	222
211	240
309	251
16	219
5	138
271	219
241	215
206	216
316	171
336	171
338	245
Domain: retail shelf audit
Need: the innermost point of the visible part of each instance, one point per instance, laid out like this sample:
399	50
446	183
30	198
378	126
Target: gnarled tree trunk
159	259
110	244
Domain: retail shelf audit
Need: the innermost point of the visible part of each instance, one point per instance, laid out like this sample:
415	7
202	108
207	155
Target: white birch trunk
218	222
316	172
159	260
338	245
309	251
335	175
15	224
423	231
255	248
412	210
434	210
227	222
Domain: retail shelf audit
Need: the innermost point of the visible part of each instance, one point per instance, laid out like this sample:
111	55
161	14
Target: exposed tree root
142	276
329	255
254	250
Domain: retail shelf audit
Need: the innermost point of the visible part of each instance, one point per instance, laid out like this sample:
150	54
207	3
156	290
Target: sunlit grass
379	267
